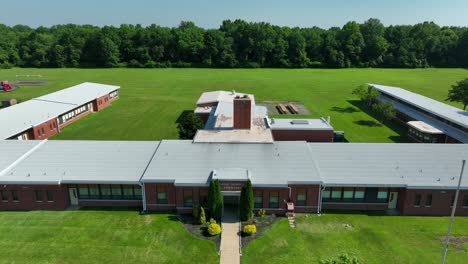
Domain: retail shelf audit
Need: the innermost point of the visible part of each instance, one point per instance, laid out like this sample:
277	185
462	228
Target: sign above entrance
231	186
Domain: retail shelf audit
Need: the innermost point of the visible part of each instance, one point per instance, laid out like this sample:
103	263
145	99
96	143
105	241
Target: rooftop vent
299	122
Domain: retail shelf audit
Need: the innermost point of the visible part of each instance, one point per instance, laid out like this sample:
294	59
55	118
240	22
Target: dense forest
235	44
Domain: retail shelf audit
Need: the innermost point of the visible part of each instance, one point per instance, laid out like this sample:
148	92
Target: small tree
202	218
215	200
366	94
189	125
246	202
384	111
459	93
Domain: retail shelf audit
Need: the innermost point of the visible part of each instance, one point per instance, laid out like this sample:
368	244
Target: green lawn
99	237
152	99
373	239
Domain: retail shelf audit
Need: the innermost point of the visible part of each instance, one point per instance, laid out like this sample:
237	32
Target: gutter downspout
143	195
319	207
141	183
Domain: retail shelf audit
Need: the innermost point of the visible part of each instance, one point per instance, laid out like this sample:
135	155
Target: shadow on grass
348	109
369	123
392	124
182	116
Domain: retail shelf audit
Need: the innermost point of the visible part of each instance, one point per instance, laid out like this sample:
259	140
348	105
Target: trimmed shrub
261	212
214	229
202	217
249	229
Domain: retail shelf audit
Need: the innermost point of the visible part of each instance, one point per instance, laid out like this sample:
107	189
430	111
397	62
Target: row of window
109	192
423	137
73	113
4	196
428	201
49	196
113	94
353	194
273	199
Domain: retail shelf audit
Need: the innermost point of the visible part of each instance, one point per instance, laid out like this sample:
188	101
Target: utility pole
447	239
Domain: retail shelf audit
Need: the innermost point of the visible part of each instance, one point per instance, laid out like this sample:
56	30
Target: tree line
235	44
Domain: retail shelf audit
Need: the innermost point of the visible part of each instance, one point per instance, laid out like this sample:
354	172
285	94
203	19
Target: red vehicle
5	85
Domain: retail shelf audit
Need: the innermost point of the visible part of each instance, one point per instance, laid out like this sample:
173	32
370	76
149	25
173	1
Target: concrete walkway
230	252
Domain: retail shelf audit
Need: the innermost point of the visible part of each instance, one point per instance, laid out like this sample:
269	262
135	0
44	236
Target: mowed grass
151	100
372	239
99	237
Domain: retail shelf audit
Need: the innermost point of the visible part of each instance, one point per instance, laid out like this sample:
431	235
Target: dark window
428	200
162	198
273	202
188	198
452	202
94	192
417	200
38	132
50	196
38	196
50	126
465	201
83	192
128	192
258	200
14	195
301	198
105	192
4	195
326	193
137	192
43	130
116	192
203	200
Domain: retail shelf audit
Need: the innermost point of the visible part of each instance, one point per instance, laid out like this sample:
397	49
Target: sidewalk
230	238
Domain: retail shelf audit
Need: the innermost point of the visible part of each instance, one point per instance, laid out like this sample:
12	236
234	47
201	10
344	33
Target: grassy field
99	237
152	99
372	239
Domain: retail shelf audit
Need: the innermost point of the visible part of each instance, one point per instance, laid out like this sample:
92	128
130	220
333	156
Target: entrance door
392	200
73	196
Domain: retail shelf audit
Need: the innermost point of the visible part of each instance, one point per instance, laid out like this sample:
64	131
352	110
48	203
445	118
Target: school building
45	116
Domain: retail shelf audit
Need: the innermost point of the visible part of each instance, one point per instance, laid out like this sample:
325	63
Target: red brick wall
283	196
101	103
242	113
354	206
441	201
27	197
151	196
50	128
307	135
113	203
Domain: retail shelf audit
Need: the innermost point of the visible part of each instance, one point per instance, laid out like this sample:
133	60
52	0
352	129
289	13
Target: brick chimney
242	112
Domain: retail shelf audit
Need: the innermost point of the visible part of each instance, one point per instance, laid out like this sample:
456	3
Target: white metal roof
435	166
423	127
20	117
298	124
76	161
221	96
446	111
187	163
79	94
13	150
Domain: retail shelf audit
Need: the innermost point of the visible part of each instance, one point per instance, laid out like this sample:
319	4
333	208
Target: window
465	201
105	192
128	192
38	196
50	196
14	195
4	196
348	194
204	199
336	194
428	202
116	192
359	194
83	192
258	199
326	194
162	198
188	198
137	192
273	201
382	195
43	131
93	192
50	126
417	200
301	198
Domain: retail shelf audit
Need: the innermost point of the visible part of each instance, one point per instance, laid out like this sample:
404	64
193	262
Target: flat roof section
87	162
18	118
423	166
298	124
432	106
279	164
221	96
79	94
423	127
13	150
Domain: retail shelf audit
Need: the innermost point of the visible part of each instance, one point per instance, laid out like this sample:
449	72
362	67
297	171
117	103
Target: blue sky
210	14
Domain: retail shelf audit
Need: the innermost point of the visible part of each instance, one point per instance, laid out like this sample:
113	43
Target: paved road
230	237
